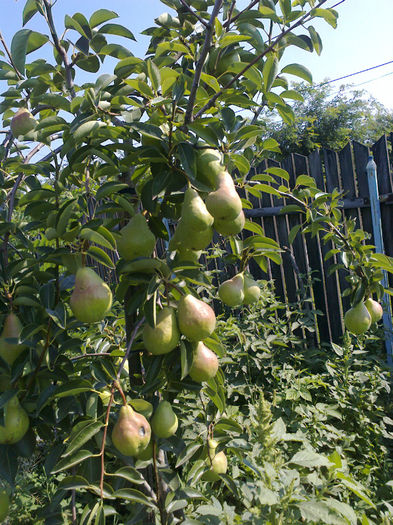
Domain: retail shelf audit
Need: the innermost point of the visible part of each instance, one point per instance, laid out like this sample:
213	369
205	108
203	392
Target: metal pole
372	177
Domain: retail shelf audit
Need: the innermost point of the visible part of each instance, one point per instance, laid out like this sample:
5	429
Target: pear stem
102	451
175	287
117	385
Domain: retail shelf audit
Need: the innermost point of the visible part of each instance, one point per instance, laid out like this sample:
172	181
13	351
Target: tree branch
212	101
60	49
198	68
231	20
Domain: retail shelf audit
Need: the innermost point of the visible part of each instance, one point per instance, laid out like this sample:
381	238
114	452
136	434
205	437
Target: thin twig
250	6
212	101
128	349
203	22
199	65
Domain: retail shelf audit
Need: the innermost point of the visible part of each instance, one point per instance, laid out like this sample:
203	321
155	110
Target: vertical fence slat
361	158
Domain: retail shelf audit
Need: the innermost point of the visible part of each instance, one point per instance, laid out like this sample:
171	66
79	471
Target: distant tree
326	118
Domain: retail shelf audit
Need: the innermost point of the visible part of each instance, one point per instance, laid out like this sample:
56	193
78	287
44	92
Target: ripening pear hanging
164	337
224	203
252	291
204	364
357	319
184	238
231	291
22	122
374	309
11	330
195	216
91	298
164	422
209	166
232	227
131	433
16	422
196	319
136	239
218	463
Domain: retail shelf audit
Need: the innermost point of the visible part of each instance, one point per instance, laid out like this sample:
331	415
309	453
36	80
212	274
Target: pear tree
117	191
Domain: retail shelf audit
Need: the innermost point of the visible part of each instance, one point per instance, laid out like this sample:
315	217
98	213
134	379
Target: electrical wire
356	73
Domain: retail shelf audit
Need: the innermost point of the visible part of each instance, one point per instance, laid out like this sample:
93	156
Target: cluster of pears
16	420
217	462
196	320
132	432
91	298
359	318
221	210
241	289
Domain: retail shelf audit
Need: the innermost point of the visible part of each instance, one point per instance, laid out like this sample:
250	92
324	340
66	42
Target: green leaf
154	75
306	180
298	70
116	29
101	16
134	495
74	482
94	236
82	433
69	462
315	39
99	255
187	453
87	128
329	15
29	11
270	70
71	23
186	358
73	388
19	48
130	474
108	188
310	459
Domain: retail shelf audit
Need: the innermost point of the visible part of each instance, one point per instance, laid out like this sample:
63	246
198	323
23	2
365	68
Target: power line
356	73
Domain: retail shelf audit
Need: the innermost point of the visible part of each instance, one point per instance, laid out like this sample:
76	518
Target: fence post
371	170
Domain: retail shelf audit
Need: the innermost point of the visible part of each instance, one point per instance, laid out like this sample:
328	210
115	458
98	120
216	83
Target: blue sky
363	38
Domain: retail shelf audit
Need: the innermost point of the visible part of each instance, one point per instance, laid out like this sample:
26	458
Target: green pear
185	238
22	122
131	433
217	463
136	239
209	166
164	422
204	364
164	337
196	319
11	330
357	319
231	227
16	422
224	203
91	298
194	212
231	291
4	505
374	309
187	255
252	291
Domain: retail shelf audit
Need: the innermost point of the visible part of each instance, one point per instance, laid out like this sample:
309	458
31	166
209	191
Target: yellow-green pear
204	364
136	239
209	166
218	463
16	422
164	422
231	292
185	238
357	319
187	255
194	212
232	227
252	291
196	318
131	433
22	122
164	337
224	203
374	309
4	505
91	298
11	330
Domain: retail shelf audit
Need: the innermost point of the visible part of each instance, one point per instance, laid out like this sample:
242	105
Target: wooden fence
344	170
